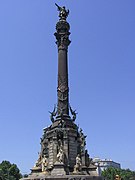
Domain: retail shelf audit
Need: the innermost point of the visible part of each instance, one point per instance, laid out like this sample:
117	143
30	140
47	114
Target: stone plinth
58	169
36	169
63	177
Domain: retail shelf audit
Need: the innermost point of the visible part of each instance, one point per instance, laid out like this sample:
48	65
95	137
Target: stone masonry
63	152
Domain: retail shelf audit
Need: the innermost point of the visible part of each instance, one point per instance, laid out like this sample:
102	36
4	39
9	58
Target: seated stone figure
77	167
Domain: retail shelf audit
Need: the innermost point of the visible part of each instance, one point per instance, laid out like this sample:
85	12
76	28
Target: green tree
125	174
25	175
9	171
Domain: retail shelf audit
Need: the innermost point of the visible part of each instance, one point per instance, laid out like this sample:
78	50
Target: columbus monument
63	154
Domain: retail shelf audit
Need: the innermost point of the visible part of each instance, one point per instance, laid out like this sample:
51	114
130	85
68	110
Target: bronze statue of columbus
63	13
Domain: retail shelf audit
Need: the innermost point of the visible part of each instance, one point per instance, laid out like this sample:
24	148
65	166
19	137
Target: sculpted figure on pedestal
60	155
44	163
87	159
78	165
82	140
38	162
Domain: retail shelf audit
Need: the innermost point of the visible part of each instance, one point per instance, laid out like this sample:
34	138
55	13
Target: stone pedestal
58	169
36	169
63	177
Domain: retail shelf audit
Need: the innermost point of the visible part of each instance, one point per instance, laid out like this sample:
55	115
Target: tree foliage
9	171
125	174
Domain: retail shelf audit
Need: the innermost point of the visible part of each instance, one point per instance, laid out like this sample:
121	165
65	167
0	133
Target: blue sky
101	76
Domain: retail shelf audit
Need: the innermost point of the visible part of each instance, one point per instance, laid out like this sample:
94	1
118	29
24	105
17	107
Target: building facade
103	164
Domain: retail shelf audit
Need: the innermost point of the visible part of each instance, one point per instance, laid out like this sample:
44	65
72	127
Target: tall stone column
62	37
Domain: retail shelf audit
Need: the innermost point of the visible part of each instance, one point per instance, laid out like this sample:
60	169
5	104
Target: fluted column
62	37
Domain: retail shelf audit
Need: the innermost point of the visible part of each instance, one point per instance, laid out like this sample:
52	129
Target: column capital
62	35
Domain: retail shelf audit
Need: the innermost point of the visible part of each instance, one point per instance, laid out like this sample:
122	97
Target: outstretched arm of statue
59	8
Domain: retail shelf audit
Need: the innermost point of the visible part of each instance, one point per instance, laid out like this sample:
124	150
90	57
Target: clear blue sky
101	76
